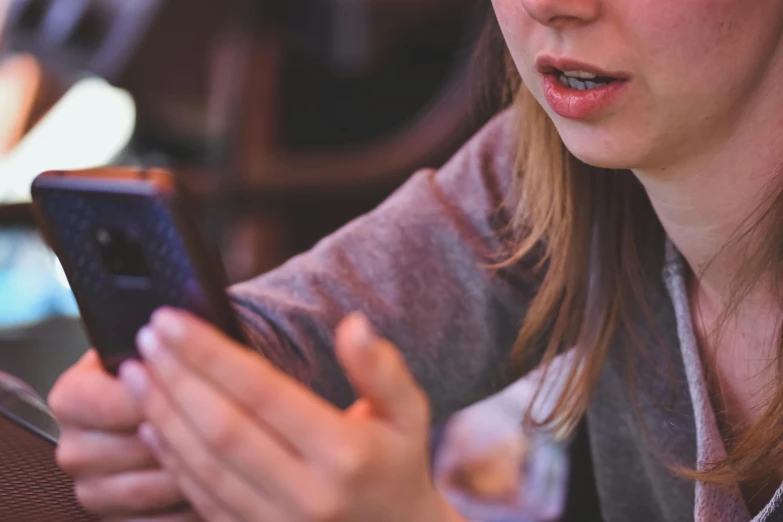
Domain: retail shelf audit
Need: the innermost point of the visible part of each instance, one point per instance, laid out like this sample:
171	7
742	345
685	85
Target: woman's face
687	73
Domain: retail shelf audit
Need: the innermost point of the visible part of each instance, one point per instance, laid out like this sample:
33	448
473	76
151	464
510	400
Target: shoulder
479	177
491	152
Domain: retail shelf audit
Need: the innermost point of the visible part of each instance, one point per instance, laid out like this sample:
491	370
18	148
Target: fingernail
148	343
149	435
133	374
362	332
169	324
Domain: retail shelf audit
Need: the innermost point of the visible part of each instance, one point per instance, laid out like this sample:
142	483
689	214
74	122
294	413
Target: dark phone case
71	206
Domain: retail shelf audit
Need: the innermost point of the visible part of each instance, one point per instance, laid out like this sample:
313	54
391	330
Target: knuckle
145	494
90	497
397	358
351	459
393	369
208	471
222	434
393	363
267	394
156	409
70	456
160	410
81	398
109	411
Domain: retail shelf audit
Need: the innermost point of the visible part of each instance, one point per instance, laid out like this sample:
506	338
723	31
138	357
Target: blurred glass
13	386
498	472
493	467
22	404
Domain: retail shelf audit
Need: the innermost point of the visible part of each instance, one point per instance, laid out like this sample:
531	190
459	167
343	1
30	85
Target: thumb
378	372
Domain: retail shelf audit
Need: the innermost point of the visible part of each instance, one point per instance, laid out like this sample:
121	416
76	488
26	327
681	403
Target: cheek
506	11
693	61
509	14
520	33
699	40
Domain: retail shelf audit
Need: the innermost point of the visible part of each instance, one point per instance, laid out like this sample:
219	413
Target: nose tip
557	13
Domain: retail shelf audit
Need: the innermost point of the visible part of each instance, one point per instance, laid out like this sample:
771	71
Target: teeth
581	74
579	85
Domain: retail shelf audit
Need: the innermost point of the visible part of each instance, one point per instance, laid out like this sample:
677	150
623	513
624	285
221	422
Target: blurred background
286	118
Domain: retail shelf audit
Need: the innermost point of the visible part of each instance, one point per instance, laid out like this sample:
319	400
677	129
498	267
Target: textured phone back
115	308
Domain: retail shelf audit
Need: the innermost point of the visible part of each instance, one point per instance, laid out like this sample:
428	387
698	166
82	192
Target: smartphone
129	243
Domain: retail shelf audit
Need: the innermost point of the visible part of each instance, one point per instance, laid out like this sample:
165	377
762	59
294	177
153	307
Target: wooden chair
263	82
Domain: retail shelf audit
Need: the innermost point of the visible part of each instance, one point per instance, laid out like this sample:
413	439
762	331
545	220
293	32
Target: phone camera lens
103	236
122	253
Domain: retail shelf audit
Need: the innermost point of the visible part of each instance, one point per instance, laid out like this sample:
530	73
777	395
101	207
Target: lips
549	65
570	99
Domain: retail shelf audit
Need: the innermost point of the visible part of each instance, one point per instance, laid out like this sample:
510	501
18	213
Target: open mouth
581	80
578	90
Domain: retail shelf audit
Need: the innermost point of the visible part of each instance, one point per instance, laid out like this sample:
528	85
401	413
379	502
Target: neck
707	202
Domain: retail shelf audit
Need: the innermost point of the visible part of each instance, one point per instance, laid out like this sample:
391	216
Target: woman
647	138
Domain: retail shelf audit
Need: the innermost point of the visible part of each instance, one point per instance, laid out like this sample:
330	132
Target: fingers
246	442
115	473
379	373
220	498
214	487
129	493
203	502
84	454
87	397
234	436
294	412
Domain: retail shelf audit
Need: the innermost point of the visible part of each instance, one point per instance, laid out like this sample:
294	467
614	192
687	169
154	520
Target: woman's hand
246	442
115	474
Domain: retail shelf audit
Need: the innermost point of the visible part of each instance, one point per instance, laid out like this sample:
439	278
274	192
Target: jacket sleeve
419	267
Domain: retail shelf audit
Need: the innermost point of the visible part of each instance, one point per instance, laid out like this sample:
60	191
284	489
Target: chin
606	152
602	161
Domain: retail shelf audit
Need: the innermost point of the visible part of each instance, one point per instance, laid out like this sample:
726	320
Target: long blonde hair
598	229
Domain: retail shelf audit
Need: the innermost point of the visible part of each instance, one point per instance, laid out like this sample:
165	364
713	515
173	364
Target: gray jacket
418	267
